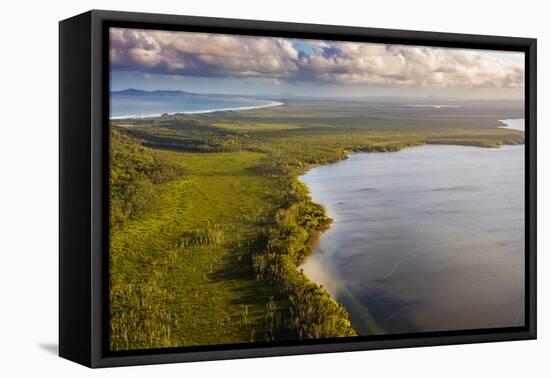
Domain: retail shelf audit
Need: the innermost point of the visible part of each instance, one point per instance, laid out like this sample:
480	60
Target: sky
250	65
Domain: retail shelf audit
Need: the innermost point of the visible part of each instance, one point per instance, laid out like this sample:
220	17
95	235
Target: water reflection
429	238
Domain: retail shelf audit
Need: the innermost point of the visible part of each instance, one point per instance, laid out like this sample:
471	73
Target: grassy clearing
181	273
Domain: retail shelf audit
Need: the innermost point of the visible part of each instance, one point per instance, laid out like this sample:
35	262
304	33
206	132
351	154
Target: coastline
315	236
148	116
290	239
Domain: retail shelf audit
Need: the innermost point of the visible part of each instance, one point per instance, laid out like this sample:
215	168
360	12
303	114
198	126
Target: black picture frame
83	181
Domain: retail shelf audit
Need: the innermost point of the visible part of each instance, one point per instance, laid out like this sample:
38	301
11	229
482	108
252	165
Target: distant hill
139	92
160	92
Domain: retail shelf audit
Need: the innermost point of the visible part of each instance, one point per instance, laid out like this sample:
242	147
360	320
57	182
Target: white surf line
273	103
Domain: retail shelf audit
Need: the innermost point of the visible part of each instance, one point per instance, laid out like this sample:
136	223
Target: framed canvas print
233	188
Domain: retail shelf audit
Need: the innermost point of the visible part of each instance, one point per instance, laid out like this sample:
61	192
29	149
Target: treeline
134	169
194	138
313	313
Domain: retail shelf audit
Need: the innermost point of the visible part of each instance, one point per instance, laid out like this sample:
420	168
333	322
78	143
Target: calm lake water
515	124
425	239
125	106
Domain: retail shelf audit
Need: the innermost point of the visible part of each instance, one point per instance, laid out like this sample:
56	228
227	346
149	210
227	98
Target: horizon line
291	95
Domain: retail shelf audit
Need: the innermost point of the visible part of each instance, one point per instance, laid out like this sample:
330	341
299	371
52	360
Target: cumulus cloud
282	59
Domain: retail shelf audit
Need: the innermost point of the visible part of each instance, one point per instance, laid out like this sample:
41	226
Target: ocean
129	106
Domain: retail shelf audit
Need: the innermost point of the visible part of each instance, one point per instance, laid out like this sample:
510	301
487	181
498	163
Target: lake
515	124
429	238
131	106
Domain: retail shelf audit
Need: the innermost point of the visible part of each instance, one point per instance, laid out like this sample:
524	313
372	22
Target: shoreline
507	126
318	233
148	116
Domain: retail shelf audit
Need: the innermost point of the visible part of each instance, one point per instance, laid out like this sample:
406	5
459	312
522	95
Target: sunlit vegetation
134	172
182	274
255	126
211	222
313	313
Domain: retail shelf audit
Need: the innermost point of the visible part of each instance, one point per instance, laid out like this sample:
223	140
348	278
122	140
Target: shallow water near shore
514	124
124	106
429	238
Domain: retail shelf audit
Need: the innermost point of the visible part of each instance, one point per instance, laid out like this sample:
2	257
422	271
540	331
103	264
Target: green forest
210	223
